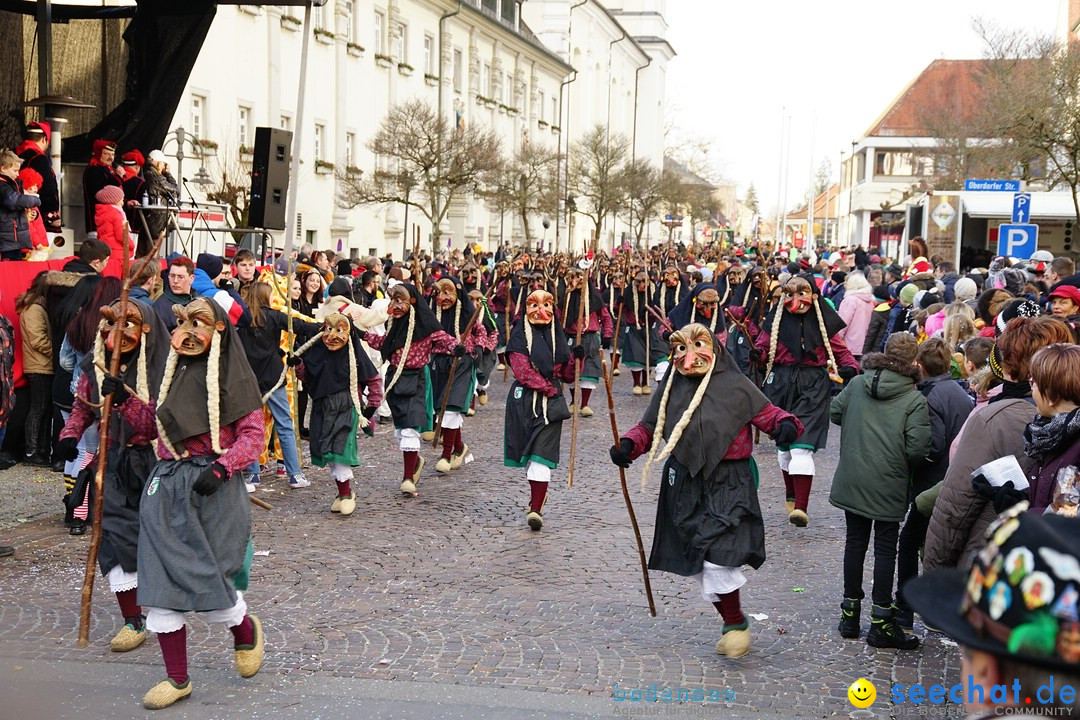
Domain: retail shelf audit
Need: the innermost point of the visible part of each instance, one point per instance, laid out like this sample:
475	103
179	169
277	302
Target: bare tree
526	185
232	188
1032	84
645	194
423	161
597	167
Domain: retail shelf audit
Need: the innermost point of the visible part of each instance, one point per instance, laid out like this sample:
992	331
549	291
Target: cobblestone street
452	588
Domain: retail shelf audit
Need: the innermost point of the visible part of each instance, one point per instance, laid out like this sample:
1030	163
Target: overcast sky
835	64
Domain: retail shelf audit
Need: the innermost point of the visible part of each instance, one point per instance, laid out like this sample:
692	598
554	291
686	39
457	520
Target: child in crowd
879	410
1052	439
14	225
31	182
949	406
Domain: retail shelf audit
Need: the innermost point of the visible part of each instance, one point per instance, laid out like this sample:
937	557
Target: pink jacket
856	310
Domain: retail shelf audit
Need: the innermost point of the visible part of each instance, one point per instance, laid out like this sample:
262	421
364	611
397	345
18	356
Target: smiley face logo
862	693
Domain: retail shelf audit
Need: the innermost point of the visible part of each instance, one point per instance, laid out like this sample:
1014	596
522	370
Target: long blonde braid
774	334
404	350
213	392
166	383
677	431
825	336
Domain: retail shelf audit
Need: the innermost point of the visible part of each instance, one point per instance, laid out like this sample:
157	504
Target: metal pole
294	170
779	183
810	240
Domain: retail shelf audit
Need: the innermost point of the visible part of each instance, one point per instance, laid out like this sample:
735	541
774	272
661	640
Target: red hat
30	178
102	145
1069	292
921	266
133	157
40	127
110	195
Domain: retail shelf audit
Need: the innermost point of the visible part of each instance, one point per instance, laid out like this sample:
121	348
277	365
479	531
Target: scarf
1014	391
1047	436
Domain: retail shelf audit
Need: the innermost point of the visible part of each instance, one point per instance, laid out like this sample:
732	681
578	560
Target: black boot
884	632
850	617
904	616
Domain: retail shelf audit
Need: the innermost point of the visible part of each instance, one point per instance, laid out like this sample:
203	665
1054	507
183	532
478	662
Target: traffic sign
1021	207
972	185
1018	240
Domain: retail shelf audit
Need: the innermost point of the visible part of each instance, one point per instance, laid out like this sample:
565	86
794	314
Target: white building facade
473	58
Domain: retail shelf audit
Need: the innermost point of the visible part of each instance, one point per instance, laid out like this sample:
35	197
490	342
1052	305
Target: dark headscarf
666	298
341	287
327	372
184	412
801	334
729	403
643	300
748	296
681	315
398	330
467	309
549	346
571	304
155	344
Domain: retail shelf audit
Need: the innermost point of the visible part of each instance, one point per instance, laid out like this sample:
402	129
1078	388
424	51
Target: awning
998	205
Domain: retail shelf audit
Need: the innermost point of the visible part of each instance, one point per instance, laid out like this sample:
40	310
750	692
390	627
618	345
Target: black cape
801	334
398	330
326	372
684	313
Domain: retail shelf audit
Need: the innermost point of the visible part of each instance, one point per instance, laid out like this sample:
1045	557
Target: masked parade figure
801	350
487	359
413	337
642	346
336	372
708	521
535	408
144	346
595	336
701	305
195	518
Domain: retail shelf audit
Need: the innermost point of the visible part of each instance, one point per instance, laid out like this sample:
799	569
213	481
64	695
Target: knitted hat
965	289
1017	308
881	292
110	195
838	277
210	264
908	293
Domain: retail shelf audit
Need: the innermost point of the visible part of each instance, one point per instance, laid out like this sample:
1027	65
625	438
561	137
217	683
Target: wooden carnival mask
757	276
476	296
692	350
798	296
195	328
736	275
469	275
446	296
540	307
706	302
336	331
400	302
672	277
574	279
537	281
641	281
132	326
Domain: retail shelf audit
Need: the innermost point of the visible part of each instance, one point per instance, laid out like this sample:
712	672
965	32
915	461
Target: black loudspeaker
270	178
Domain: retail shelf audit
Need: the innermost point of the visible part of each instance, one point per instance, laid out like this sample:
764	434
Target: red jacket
112	228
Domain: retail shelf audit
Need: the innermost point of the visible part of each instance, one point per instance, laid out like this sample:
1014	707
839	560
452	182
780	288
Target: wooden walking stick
103	448
614	343
626	491
506	322
577	377
450	378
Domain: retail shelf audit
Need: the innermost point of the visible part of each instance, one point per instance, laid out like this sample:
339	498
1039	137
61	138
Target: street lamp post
183	138
407	182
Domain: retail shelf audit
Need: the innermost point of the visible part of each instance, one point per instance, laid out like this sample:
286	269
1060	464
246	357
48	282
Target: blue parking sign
1018	240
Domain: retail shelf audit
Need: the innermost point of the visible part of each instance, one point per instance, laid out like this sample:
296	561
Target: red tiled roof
949	84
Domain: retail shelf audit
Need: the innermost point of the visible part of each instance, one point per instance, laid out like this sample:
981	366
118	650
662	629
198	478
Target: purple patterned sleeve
247	443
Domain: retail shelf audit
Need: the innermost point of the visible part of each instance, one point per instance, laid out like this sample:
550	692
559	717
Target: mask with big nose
692	350
132	327
336	331
447	296
540	307
195	328
798	296
400	302
706	302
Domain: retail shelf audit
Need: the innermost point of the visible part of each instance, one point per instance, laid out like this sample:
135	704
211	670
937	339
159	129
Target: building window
198	115
318	19
377	29
285	123
243	121
458	62
540	104
902	164
348	9
429	55
485	81
491	6
320	135
399	45
350	149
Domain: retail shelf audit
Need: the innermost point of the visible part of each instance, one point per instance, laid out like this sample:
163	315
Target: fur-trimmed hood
63	278
886	377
